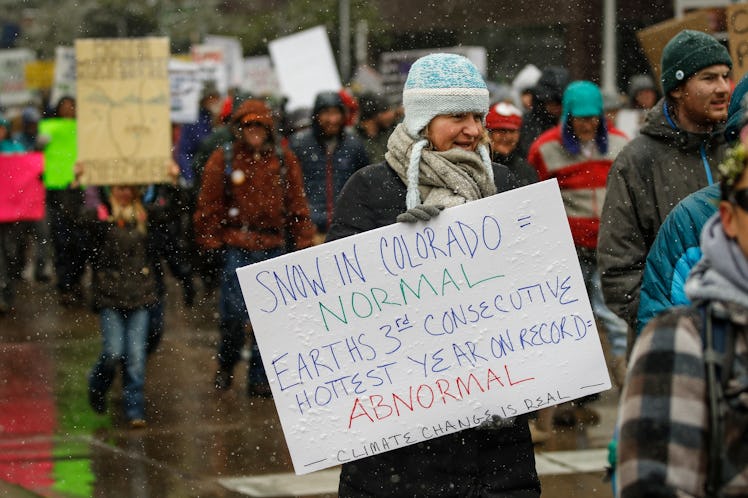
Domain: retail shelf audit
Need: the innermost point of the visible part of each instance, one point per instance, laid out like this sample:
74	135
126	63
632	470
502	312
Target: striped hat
441	84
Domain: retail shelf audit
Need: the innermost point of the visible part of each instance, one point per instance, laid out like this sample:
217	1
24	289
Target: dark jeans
233	313
70	241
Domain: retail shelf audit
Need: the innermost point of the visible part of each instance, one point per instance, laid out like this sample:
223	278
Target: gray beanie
688	52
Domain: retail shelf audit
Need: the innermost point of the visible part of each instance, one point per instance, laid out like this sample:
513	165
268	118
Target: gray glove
419	213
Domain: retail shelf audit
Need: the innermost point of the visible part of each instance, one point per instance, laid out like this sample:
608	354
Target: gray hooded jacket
649	177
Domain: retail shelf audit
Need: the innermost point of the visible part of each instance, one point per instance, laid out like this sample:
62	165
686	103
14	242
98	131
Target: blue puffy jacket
673	254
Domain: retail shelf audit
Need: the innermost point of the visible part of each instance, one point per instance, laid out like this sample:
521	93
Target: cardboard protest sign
61	151
305	66
185	88
39	74
21	191
737	29
124	132
654	38
412	331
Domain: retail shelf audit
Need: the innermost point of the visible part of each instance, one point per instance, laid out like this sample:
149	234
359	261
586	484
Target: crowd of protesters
253	181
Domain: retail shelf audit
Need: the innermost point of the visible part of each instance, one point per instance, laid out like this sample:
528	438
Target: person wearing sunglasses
684	409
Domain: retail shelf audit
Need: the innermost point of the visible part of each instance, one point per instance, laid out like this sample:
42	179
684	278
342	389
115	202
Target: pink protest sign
22	191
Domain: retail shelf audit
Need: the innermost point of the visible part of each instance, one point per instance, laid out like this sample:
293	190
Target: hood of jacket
722	273
659	125
323	101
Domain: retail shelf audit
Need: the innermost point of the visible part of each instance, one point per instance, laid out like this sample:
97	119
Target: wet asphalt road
198	442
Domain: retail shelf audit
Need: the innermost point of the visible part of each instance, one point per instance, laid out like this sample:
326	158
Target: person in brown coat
251	207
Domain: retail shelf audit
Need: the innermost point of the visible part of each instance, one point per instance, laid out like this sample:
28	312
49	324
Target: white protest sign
259	76
13	89
413	331
185	87
211	62
233	57
64	80
305	66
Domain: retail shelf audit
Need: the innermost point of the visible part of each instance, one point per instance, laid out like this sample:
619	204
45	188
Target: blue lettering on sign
402	252
348	267
292	284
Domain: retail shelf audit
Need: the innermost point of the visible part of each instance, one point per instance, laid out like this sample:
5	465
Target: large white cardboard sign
413	331
305	66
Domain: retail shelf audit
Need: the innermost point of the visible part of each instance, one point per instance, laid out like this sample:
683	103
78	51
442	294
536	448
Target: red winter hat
351	107
503	116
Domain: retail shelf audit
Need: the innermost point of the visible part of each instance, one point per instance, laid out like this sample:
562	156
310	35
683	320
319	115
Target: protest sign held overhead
413	331
64	74
737	27
60	152
124	129
21	191
305	66
13	89
185	87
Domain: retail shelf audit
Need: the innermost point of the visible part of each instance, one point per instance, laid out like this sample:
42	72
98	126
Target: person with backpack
684	409
251	207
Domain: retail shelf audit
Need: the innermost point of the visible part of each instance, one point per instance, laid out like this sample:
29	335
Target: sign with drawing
737	29
124	131
412	331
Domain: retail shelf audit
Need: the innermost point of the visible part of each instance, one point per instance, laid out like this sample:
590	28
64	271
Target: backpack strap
719	350
228	169
283	171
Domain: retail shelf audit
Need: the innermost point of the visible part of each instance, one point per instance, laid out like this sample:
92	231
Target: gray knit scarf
722	272
447	178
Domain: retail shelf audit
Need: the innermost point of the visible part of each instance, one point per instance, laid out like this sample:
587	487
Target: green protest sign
61	151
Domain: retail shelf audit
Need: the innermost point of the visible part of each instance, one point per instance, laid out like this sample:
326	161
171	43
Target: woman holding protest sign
437	158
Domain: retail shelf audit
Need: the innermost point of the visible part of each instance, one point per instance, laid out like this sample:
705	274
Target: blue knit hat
440	84
582	99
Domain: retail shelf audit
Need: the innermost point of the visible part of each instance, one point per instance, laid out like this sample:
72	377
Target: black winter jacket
123	264
473	462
